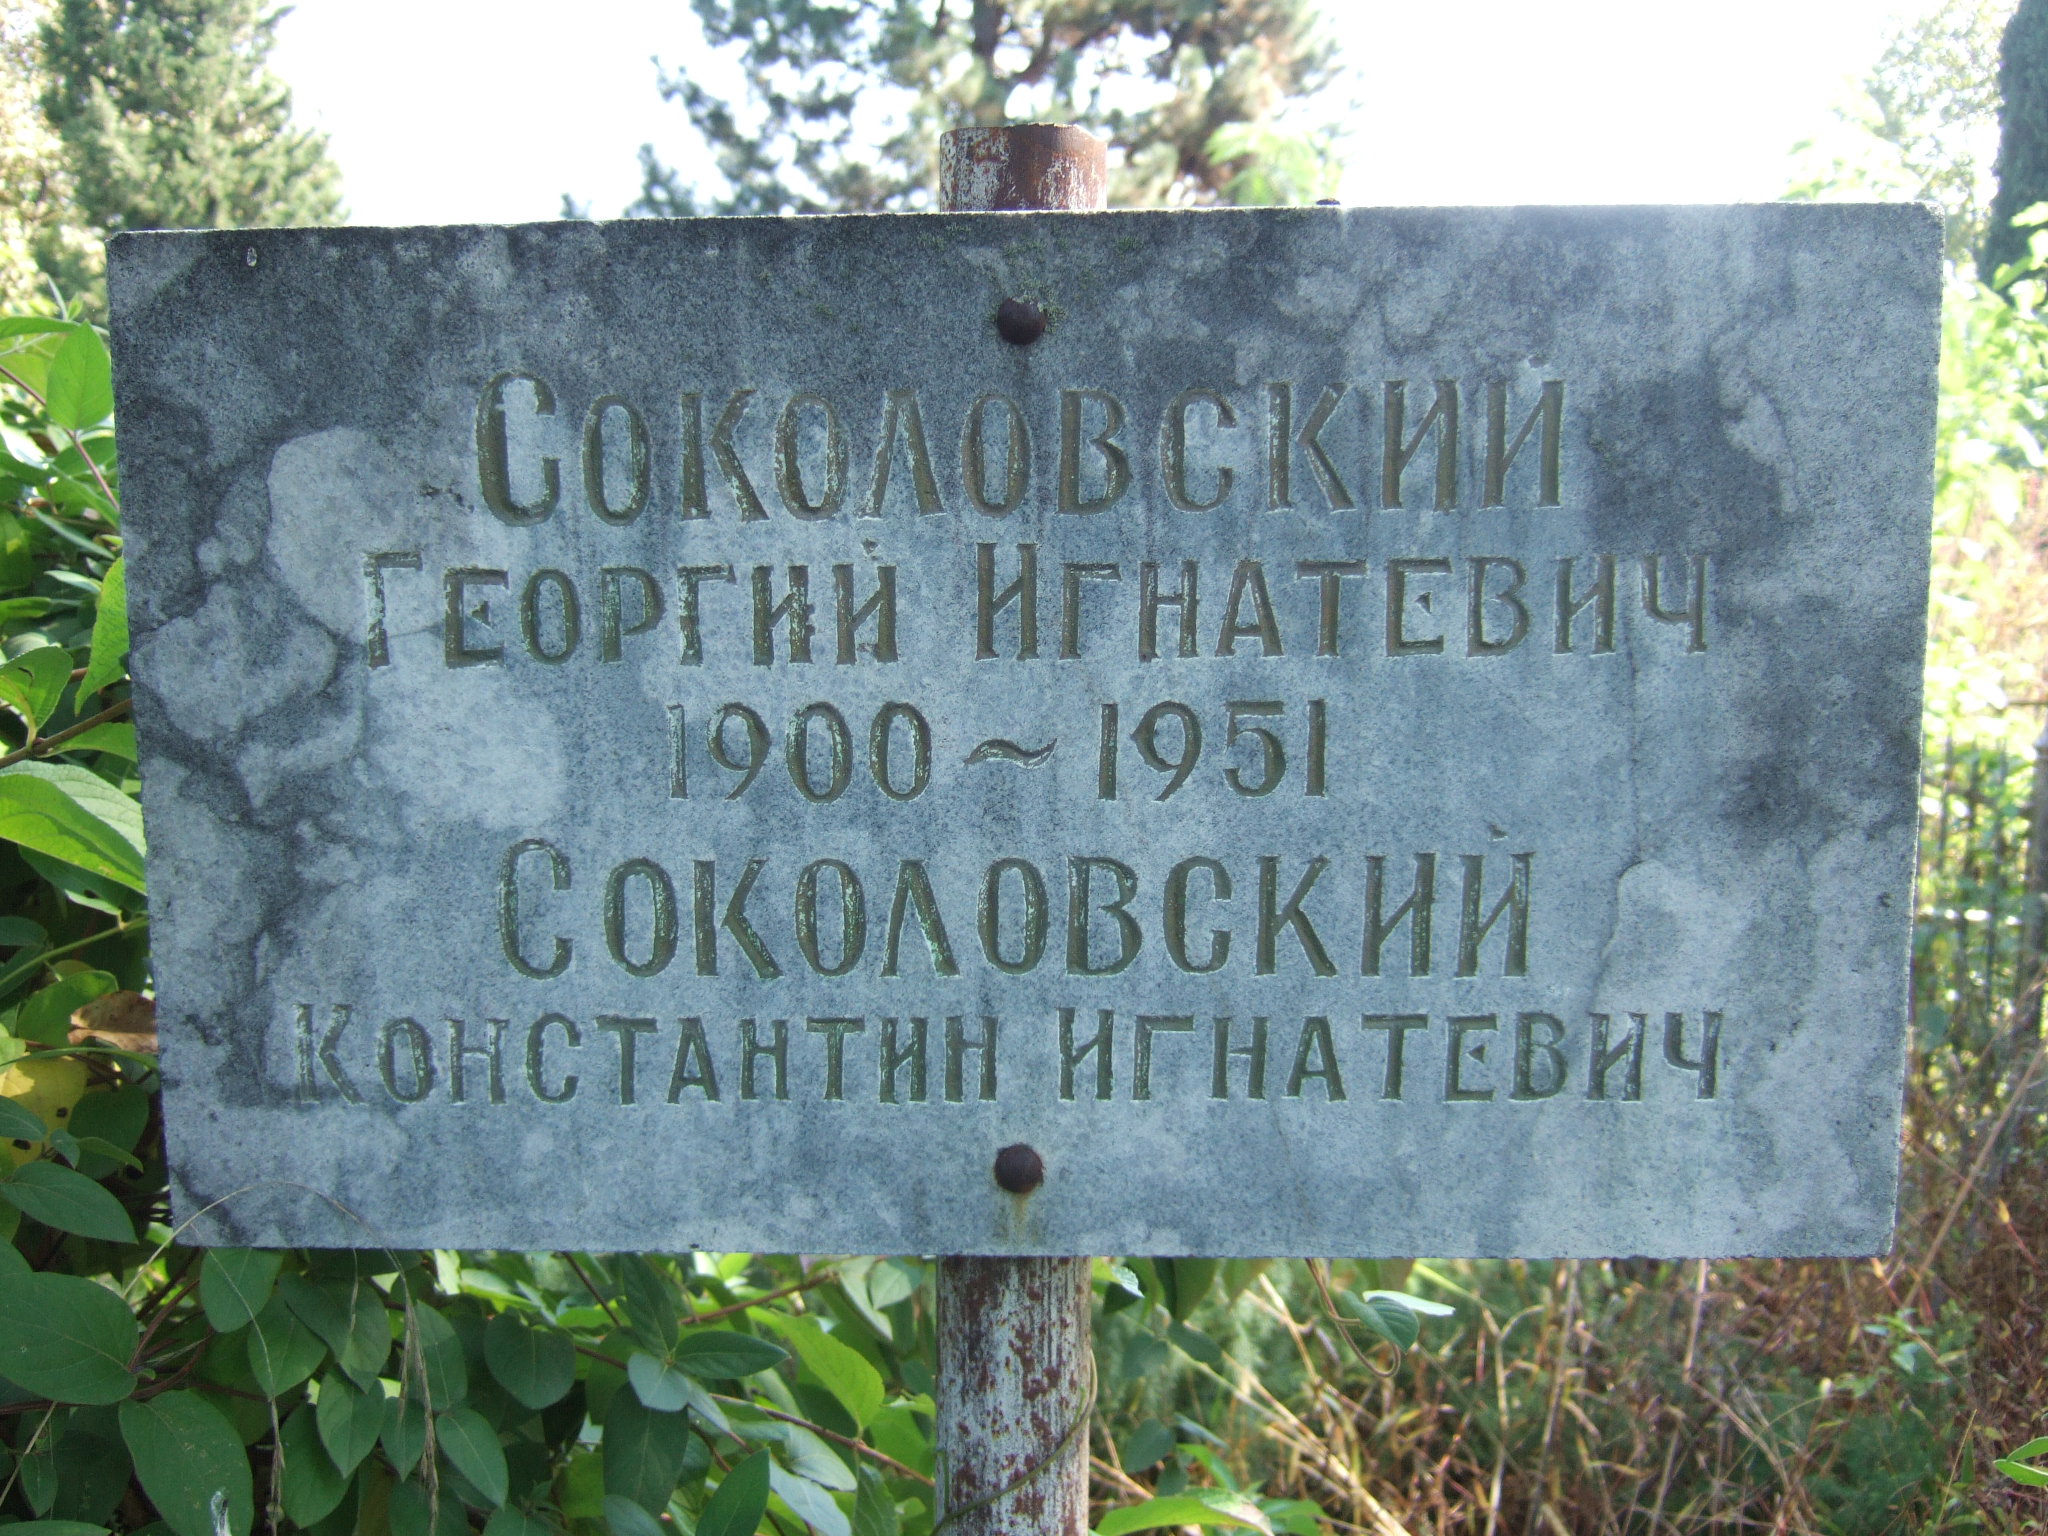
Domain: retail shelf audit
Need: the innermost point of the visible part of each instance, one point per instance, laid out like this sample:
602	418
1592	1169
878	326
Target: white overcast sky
445	111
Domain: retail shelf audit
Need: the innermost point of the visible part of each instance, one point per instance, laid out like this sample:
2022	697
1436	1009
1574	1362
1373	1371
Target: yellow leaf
48	1087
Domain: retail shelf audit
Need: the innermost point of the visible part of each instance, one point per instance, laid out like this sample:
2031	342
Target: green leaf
703	1405
1413	1303
580	1491
1394	1315
67	492
1182	1509
1149	1444
893	1280
99	1146
34	325
350	1421
67	1200
1186	1282
16	931
1196	1344
405	1433
93	449
37	1469
1388	1319
854	1276
805	1453
740	1502
536	1365
2019	1472
472	1447
644	1451
74	815
23	964
92	1469
413	1513
80	388
54	1528
66	1338
349	1317
81	886
19	1124
109	659
813	1505
516	1522
623	1517
841	1369
28	357
313	1484
1296	1517
33	682
1144	1355
874	1512
17	560
235	1284
14	696
116	738
283	1351
46	673
46	1016
660	1385
718	1354
446	1376
188	1459
652	1302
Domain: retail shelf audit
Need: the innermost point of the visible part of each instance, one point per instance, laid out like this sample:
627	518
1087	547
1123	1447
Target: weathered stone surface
1671	811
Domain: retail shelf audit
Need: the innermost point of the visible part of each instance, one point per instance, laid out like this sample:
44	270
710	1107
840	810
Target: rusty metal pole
1016	1368
1042	167
1013	1396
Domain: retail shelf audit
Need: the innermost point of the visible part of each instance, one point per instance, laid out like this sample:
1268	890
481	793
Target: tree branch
46	743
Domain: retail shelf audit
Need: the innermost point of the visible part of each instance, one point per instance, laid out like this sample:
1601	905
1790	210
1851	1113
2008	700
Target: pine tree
2023	133
171	119
847	99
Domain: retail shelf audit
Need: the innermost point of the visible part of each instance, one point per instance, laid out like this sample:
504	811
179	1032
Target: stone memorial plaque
1381	732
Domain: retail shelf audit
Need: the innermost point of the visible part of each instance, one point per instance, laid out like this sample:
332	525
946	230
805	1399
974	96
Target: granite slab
1380	732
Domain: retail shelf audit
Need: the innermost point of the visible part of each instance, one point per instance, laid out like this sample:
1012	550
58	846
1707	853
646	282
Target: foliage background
843	103
145	1386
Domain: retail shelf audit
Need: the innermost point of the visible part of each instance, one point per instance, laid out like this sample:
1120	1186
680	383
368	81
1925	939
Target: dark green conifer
2022	135
171	119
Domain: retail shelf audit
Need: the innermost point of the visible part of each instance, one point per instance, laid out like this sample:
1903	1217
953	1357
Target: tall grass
1638	1396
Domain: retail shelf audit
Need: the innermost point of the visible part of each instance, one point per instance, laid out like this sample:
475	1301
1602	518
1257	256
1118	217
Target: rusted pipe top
1022	166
